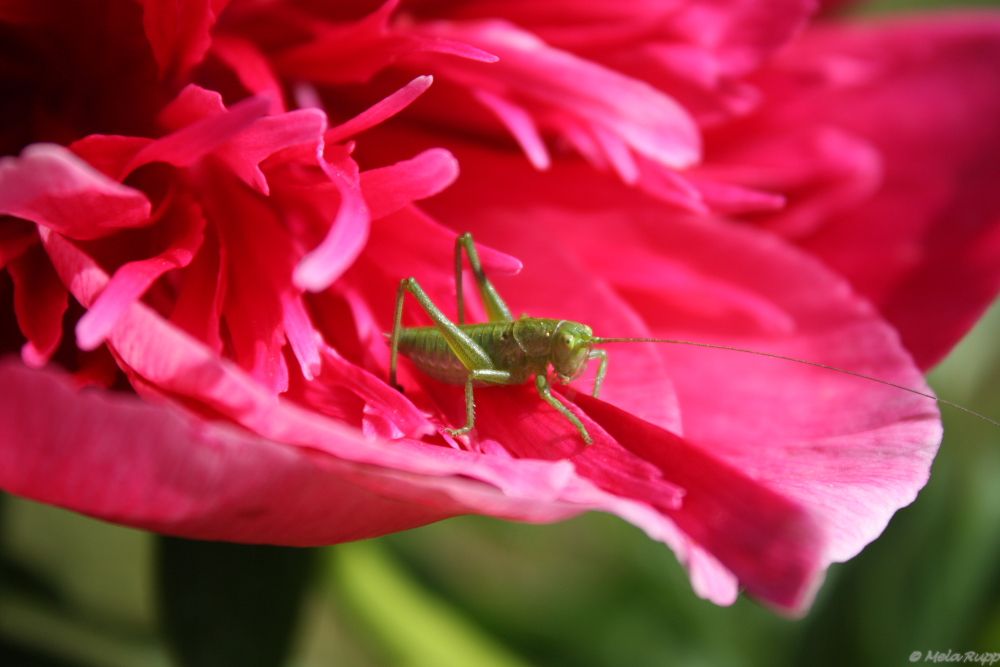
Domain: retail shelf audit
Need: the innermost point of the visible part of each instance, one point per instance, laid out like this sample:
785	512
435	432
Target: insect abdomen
427	348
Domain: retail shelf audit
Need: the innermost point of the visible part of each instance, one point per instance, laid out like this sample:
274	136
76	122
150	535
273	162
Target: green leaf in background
230	604
411	626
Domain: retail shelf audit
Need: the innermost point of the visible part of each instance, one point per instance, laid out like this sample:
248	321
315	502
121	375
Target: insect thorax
523	347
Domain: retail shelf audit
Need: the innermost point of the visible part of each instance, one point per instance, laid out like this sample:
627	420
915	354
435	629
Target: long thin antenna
816	364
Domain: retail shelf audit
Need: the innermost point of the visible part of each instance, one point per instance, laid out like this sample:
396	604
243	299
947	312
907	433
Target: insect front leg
602	369
496	309
545	391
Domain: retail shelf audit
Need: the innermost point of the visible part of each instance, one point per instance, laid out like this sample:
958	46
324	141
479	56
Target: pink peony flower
208	207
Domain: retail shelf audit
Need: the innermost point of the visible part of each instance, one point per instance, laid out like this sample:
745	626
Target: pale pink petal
544	78
618	155
50	186
698	50
742	33
302	335
378	396
388	189
521	126
345	240
380	111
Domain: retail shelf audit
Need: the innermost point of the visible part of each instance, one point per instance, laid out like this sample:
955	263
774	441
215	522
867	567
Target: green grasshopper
505	351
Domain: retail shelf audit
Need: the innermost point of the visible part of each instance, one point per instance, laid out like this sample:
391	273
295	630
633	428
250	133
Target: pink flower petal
543	78
132	279
388	189
926	244
187	145
302	336
265	137
255	285
179	32
157	468
109	153
521	126
347	236
50	186
202	292
402	248
851	452
355	52
378	396
380	111
251	68
168	359
771	543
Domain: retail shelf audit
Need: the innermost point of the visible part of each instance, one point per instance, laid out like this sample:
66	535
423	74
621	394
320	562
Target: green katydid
505	351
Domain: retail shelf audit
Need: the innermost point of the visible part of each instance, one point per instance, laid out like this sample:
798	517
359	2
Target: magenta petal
344	241
132	279
250	67
388	189
265	137
770	542
40	302
851	452
49	185
380	111
187	145
519	123
923	242
302	336
179	32
153	467
377	394
177	364
553	81
16	236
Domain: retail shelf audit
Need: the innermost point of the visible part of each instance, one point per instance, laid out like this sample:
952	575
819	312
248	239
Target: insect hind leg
468	352
496	309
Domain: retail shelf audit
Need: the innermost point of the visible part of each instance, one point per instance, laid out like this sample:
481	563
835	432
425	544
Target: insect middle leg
472	356
496	309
